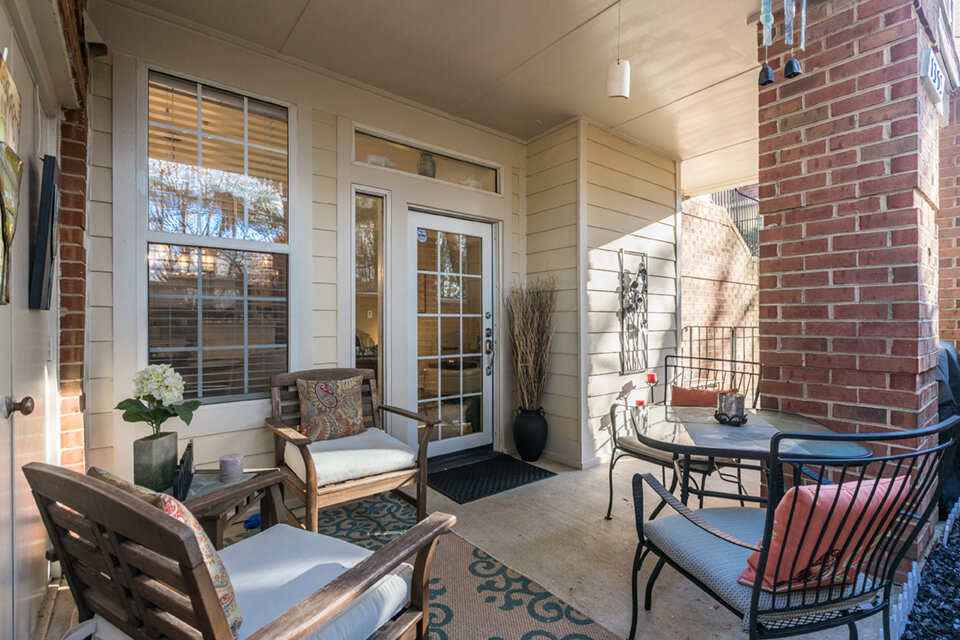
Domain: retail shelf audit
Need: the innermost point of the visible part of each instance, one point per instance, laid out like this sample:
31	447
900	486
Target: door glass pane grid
449	332
219	317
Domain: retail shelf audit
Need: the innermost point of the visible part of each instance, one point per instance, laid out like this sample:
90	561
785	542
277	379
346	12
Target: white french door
450	320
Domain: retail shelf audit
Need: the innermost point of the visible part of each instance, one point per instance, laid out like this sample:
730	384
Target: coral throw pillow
330	409
686	397
845	524
172	507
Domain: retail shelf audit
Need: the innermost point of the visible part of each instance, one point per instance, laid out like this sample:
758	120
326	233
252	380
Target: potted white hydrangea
156	391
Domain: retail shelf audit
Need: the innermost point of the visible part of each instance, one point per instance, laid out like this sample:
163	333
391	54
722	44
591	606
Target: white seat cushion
277	568
364	454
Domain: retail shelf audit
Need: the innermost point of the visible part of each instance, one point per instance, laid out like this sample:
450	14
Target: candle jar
731	409
231	467
639	413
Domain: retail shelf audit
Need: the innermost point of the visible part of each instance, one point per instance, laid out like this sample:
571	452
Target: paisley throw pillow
330	409
218	573
147	495
172	507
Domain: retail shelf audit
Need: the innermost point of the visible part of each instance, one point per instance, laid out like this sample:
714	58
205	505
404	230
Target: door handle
488	350
10	405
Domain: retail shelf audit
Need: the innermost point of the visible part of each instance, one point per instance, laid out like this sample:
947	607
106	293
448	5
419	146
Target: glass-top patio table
693	431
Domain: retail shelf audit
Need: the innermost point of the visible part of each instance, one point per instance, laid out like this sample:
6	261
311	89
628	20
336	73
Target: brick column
948	221
849	171
73	284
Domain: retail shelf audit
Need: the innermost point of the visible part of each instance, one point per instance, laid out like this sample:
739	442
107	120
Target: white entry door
451	328
24	373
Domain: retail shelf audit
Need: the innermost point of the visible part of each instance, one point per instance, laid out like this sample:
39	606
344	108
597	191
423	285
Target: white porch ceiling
524	66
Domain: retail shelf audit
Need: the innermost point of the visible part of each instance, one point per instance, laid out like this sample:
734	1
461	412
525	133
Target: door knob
25	406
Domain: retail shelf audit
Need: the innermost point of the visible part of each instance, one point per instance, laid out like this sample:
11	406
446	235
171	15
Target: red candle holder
652	377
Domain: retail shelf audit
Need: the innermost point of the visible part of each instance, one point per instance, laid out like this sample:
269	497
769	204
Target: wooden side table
218	505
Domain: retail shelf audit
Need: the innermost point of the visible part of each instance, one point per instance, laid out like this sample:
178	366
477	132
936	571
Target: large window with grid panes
217	245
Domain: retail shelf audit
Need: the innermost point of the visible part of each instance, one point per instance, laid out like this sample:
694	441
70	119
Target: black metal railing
725	343
744	210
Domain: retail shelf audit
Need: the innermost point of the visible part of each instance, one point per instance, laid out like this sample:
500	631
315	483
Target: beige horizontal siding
551	235
324	182
100	400
631	204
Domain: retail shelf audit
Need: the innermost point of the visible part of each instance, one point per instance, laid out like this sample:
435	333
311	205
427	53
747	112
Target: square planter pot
154	459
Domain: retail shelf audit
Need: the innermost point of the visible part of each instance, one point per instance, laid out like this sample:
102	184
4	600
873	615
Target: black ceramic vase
530	433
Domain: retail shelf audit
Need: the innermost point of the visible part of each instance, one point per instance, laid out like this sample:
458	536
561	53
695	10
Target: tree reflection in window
223	173
217	173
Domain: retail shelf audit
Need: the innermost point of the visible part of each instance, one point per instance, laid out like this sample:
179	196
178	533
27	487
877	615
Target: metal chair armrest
691	515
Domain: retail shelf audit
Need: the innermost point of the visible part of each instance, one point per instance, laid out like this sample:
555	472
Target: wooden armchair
324	473
136	572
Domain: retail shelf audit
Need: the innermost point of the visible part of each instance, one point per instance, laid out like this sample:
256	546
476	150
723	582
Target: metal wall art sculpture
633	312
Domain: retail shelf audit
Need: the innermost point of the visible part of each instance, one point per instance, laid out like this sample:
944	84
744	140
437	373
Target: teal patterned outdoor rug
473	596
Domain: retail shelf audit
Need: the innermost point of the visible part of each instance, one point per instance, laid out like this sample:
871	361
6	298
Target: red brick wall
849	167
948	221
719	276
846	269
73	283
73	255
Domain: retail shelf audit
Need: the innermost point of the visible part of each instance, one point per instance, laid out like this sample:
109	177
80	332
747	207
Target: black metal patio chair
695	373
715	374
626	445
847	550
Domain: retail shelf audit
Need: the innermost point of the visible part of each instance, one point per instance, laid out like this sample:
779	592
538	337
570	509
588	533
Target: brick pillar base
73	284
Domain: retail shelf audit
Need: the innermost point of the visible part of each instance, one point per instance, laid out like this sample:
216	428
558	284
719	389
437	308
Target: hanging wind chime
792	69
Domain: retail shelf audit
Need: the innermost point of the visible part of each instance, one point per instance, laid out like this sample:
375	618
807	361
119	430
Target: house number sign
934	80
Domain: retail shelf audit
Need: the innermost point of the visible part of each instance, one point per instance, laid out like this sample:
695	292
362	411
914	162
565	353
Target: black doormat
485	478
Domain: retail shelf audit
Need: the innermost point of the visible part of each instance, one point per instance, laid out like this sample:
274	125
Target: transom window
217	237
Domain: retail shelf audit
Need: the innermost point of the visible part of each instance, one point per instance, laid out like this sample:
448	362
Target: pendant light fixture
618	73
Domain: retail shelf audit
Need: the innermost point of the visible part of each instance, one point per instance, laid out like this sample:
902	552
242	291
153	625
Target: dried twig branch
530	312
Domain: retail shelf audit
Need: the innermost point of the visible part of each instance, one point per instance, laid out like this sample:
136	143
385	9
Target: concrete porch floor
553	531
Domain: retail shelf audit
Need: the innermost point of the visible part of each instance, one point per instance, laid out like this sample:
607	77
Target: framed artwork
10	171
11	168
44	256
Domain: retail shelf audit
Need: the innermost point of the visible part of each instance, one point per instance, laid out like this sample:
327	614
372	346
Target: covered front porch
252	192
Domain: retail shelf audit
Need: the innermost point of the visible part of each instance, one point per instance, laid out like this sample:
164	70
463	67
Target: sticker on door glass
421	235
